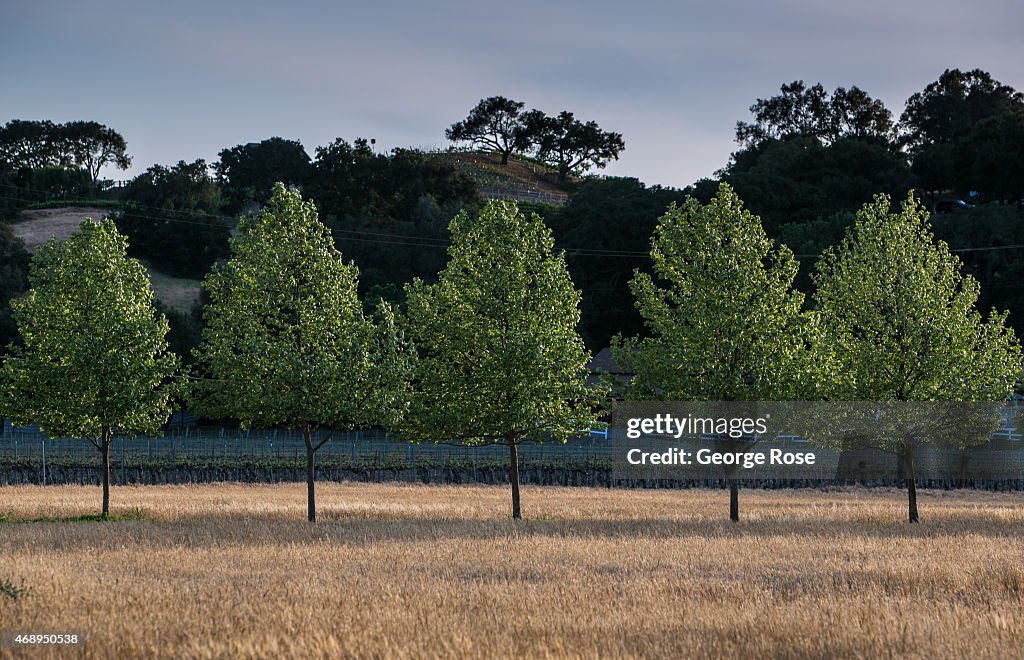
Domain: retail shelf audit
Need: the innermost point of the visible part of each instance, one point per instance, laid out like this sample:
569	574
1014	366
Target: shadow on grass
289	529
8	518
360	526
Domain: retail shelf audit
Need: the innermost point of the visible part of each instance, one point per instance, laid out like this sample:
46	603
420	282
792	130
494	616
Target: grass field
399	570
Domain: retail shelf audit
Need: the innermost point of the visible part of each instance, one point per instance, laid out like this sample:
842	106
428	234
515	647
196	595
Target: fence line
28	445
523	194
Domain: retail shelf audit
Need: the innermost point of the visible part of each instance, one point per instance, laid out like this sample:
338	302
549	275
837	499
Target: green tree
95	360
494	124
247	172
92	145
902	321
500	359
937	119
995	149
14	266
726	323
286	343
607	222
568	144
808	111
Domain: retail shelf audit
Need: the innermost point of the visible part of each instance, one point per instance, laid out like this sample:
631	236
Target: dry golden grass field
422	571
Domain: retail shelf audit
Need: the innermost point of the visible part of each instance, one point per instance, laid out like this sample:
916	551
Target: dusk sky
182	80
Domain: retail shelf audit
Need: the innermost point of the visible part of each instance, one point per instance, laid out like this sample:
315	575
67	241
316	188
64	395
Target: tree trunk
310	474
734	484
504	157
513	476
908	466
105	448
310	486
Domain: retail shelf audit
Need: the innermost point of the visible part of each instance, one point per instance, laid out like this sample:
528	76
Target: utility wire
406	240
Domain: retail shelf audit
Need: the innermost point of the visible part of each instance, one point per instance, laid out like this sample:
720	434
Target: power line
384	238
406	240
991	248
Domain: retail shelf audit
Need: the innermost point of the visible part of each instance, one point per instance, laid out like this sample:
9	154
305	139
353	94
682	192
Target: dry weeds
38	226
35	227
412	571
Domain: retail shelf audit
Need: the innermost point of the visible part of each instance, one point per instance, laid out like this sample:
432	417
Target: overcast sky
182	80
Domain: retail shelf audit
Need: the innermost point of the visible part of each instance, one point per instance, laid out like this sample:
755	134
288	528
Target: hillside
36	227
520	179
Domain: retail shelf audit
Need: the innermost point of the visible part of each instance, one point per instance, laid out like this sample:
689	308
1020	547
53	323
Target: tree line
807	159
489	352
40	145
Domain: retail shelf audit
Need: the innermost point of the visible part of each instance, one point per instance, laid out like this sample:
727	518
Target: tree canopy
500	359
568	144
809	111
994	151
725	322
800	180
94	145
248	172
897	308
383	207
350	179
494	123
172	216
949	108
86	144
94	359
938	122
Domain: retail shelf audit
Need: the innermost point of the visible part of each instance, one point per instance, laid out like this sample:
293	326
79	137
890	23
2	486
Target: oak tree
568	144
800	110
247	172
938	121
494	124
87	144
93	145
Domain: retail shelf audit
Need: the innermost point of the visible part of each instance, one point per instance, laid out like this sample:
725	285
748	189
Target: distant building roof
603	363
